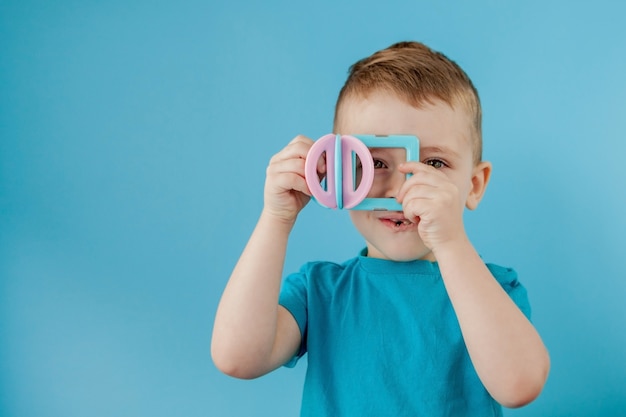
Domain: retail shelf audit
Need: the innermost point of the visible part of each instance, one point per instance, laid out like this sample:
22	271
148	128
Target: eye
378	164
436	163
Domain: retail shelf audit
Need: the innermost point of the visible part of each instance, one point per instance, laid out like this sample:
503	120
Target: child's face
445	136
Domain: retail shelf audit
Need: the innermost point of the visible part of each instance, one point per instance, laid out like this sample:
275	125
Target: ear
480	179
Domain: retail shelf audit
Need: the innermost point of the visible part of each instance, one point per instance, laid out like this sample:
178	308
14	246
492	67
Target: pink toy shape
339	171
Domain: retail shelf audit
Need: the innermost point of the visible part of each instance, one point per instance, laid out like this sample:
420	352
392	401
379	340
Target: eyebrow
439	150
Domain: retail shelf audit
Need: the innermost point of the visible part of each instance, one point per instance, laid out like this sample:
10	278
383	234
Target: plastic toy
339	189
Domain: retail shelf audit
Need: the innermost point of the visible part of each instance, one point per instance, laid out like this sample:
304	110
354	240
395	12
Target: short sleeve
507	278
293	296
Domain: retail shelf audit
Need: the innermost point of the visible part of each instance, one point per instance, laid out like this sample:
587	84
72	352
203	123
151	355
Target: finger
297	148
444	192
422	175
417	199
293	165
409	167
428	201
415	167
302	138
418	184
288	175
423	206
321	165
291	182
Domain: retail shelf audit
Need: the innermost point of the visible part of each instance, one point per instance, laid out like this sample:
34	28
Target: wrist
277	221
453	249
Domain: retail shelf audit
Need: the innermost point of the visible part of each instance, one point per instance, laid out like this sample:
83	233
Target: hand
432	200
286	191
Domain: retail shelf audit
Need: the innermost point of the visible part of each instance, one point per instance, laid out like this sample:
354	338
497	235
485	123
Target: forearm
245	328
506	350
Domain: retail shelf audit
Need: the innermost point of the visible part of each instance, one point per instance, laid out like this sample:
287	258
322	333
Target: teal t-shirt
382	339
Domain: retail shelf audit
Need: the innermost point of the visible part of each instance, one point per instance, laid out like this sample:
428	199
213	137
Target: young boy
418	324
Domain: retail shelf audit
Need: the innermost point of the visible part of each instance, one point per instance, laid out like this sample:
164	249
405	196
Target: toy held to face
347	182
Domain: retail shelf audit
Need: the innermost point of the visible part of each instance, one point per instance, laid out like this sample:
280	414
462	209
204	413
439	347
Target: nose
393	184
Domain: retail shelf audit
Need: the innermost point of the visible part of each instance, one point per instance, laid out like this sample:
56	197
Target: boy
418	324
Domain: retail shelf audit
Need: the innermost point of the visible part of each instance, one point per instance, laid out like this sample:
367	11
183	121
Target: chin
404	255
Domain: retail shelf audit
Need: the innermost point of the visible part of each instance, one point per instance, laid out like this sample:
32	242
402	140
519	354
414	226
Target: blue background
134	137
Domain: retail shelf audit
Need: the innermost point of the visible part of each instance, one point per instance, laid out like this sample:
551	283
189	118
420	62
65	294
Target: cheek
462	177
377	190
463	185
355	216
359	219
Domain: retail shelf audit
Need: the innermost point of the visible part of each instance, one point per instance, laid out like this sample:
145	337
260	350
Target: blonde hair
418	75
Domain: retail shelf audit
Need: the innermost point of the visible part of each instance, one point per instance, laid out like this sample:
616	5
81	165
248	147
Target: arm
252	334
506	350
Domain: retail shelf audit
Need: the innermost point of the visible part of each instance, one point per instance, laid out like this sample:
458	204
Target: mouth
398	223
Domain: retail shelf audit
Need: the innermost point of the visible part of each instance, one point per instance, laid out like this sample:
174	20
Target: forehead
435	123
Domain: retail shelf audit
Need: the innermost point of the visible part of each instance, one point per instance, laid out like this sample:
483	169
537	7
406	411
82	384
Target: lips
397	222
